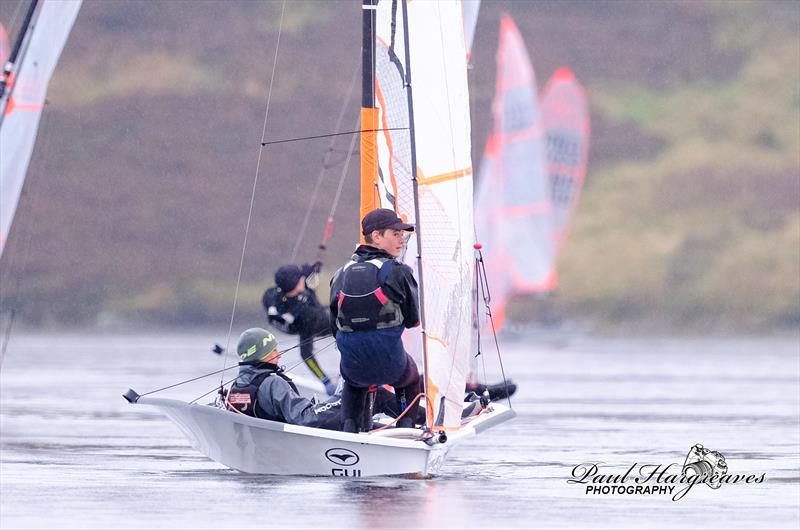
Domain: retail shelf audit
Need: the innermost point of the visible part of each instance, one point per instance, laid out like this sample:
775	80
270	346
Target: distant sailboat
513	207
23	87
565	114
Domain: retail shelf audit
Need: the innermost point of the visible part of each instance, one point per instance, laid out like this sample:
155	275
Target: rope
255	184
408	407
189	381
229	381
226	383
323	169
318	136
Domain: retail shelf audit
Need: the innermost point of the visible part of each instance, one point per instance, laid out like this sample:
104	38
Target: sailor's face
390	241
273	357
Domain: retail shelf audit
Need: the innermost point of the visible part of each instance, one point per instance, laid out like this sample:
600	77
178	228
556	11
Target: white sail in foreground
513	207
23	98
444	173
565	114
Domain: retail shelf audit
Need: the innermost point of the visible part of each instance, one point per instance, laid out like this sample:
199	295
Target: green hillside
139	189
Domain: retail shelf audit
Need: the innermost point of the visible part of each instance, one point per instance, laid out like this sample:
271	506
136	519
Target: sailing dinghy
415	159
531	175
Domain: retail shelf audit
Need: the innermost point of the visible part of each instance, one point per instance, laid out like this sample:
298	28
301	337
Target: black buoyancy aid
362	304
244	398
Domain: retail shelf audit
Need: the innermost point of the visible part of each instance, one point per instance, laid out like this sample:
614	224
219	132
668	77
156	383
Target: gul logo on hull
342	457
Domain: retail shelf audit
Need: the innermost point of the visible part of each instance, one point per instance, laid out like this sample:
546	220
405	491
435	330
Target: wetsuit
264	391
373	299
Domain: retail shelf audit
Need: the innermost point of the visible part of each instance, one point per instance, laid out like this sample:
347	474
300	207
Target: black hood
366	252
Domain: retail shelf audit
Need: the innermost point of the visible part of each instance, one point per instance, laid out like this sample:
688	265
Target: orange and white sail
440	204
513	208
23	93
565	114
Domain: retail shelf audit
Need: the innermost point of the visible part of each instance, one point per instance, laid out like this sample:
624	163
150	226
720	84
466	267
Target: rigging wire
316	137
255	182
325	166
215	372
487	298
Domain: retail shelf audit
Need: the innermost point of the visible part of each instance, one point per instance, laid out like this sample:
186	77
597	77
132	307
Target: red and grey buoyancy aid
363	306
244	398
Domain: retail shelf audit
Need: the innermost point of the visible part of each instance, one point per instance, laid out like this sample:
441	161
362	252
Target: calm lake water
74	454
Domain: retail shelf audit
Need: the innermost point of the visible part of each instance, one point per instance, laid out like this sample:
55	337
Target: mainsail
422	43
513	207
565	115
23	89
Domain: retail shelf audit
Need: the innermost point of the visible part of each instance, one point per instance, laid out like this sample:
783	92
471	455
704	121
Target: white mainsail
513	206
23	98
444	177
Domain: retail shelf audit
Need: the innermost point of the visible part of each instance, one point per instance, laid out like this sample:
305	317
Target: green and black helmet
255	345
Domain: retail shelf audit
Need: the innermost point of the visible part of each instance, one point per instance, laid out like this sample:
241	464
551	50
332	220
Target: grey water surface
74	454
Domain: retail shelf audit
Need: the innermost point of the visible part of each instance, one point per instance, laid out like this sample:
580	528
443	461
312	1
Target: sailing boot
352	408
369	408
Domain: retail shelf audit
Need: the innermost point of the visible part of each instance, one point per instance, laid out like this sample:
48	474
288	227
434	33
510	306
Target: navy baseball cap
287	277
383	219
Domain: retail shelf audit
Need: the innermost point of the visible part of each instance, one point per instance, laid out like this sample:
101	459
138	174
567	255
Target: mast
369	113
417	228
7	78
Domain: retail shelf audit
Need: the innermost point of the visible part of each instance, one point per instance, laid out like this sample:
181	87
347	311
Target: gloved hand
330	388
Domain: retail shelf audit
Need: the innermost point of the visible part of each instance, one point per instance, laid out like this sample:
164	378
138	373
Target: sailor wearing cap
374	298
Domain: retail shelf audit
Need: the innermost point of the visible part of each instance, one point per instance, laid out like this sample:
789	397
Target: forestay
23	98
513	207
444	176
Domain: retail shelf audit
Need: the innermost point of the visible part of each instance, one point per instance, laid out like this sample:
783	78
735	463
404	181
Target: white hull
266	447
